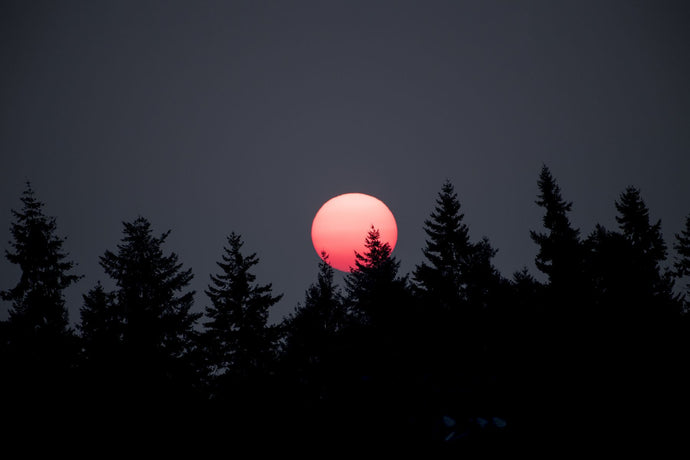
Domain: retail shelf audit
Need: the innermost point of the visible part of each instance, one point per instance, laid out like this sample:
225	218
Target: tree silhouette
457	285
373	285
310	330
101	325
240	344
560	255
447	251
147	318
682	263
38	343
646	252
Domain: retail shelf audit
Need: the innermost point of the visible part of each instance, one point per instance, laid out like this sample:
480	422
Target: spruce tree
560	333
38	305
240	344
312	327
148	314
373	287
682	263
560	255
38	341
646	251
457	274
633	221
101	326
447	251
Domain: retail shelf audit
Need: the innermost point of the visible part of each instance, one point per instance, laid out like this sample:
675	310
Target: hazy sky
212	117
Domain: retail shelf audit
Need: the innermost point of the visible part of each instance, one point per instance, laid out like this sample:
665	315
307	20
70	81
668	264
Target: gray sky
212	117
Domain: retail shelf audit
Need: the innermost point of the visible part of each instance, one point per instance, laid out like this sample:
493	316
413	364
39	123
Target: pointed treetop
555	218
633	220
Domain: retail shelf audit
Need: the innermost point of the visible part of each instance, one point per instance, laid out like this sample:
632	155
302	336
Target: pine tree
373	286
101	326
310	330
149	315
38	305
682	263
38	340
240	344
560	332
560	255
633	220
447	251
646	251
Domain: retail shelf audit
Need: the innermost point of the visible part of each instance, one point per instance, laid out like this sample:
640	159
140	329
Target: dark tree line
453	356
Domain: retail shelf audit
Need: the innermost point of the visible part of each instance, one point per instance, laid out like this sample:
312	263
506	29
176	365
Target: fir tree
310	330
633	220
560	255
39	345
682	263
373	286
101	325
149	314
38	305
240	344
447	251
457	274
647	285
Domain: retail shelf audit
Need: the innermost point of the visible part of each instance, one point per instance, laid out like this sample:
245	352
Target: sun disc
341	225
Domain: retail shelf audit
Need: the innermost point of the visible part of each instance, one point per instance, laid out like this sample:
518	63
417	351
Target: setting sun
341	225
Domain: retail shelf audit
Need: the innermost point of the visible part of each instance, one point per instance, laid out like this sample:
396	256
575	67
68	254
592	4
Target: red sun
341	226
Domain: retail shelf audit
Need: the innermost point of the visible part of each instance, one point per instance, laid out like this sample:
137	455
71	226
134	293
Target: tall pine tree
239	342
646	251
311	329
101	327
682	263
447	251
373	287
560	255
38	343
146	322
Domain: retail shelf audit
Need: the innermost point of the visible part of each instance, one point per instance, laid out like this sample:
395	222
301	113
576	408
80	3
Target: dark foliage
239	344
138	341
457	360
37	346
682	263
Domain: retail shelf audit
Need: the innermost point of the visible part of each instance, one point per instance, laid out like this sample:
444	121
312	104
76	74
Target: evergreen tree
311	329
38	342
101	326
560	255
239	342
447	251
648	287
148	315
682	263
458	275
633	220
373	287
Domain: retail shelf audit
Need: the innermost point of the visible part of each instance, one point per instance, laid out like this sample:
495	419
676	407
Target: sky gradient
212	117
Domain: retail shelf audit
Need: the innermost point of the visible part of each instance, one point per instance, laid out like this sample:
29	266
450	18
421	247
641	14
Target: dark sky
212	117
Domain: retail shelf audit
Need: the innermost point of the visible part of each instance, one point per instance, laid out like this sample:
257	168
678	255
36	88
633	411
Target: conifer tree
447	251
310	330
148	313
38	339
646	250
101	325
682	263
457	273
560	255
373	286
239	342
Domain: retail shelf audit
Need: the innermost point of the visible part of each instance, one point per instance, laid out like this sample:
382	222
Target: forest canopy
452	355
